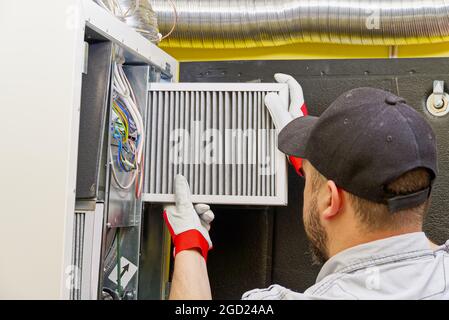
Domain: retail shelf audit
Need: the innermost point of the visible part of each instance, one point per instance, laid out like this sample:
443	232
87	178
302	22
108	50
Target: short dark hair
376	216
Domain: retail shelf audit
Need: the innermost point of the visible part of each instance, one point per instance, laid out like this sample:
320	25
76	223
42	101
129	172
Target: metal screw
438	104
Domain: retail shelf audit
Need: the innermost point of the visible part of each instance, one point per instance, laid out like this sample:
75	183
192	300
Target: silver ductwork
141	17
138	14
261	23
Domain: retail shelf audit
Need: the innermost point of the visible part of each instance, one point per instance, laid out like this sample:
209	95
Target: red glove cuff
304	110
187	240
191	239
297	162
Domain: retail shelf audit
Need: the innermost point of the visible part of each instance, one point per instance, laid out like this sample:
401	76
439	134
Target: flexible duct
258	23
138	14
143	18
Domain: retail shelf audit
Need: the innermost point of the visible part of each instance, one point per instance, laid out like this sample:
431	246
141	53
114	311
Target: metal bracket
86	58
438	101
438	92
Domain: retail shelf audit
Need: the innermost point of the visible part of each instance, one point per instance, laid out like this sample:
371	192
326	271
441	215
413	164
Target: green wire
119	268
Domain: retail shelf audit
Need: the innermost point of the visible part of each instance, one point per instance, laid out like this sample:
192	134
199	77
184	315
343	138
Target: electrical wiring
175	20
121	134
173	28
117	180
123	121
139	185
124	90
114	7
119	267
128	132
127	125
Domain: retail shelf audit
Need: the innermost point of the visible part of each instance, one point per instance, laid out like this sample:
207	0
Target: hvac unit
83	275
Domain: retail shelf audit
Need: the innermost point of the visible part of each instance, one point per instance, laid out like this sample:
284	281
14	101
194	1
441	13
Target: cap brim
294	137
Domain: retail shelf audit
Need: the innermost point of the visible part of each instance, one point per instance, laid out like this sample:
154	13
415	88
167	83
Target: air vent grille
220	137
77	256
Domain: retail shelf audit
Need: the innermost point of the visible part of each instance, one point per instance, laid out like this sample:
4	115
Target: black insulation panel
248	246
94	106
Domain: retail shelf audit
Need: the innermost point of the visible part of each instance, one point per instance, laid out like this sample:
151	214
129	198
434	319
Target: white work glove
188	225
282	113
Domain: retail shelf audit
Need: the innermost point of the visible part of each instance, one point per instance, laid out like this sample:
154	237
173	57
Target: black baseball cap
364	140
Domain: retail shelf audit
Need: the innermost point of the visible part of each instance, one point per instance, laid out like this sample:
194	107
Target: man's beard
316	234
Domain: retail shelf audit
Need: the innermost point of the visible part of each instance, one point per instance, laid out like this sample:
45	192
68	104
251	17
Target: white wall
39	101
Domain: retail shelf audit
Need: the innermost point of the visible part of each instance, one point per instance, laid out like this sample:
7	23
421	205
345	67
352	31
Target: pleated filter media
220	137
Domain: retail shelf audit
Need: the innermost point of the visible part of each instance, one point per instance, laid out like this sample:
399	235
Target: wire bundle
128	132
114	7
139	14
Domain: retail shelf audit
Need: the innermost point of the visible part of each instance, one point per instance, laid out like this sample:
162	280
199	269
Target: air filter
220	137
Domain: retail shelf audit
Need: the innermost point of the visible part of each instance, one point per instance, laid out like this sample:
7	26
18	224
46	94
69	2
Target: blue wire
118	137
125	111
119	158
128	117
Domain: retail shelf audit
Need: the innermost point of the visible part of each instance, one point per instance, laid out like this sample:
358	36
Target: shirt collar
416	241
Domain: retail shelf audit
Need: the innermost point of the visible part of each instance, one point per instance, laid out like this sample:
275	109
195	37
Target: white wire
136	116
123	89
115	8
139	116
114	174
132	11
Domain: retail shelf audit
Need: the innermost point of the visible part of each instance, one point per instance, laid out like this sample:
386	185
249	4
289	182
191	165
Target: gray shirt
400	267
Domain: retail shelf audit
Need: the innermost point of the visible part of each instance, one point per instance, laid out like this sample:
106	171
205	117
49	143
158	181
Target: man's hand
283	113
189	225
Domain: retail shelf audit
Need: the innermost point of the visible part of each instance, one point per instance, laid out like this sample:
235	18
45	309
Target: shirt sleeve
274	292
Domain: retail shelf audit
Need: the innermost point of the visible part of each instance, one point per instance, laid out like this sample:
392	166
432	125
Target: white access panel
221	137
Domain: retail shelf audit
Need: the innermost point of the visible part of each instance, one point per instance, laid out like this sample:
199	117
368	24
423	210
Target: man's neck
358	239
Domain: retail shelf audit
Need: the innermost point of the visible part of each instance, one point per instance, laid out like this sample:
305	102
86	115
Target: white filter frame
278	185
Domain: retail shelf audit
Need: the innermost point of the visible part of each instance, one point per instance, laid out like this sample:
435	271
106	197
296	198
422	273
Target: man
369	165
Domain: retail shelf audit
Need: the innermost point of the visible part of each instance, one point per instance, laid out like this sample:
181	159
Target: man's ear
334	201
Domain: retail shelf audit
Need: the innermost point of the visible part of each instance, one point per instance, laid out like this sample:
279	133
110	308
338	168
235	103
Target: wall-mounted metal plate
438	102
441	111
